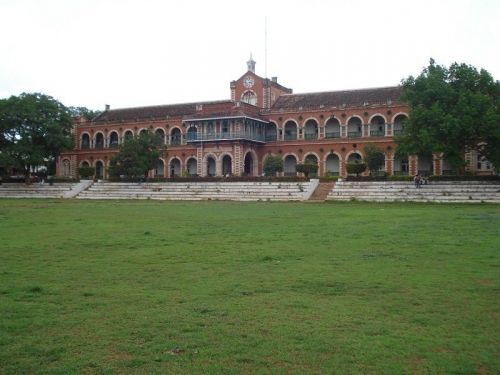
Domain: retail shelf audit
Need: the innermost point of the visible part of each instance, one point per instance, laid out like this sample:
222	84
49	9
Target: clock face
248	82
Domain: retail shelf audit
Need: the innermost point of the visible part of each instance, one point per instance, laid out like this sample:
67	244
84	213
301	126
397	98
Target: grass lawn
228	287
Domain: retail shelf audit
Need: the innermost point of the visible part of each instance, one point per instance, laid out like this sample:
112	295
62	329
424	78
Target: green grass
267	288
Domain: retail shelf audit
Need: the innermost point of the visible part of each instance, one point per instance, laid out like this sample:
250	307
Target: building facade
233	137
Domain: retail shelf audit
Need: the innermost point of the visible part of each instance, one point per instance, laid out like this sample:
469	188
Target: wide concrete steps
35	190
238	191
443	192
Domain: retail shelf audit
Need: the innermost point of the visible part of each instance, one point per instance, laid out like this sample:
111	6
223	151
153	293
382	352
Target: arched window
311	130
175	137
85	143
160	134
99	140
399	124
129	135
290	131
377	126
113	139
271	132
332	128
354	128
249	97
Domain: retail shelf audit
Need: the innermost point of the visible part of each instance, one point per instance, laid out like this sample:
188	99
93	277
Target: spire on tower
251	64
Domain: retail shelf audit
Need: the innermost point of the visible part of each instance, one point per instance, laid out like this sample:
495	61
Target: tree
452	111
137	156
89	114
356	168
34	128
307	168
374	158
273	164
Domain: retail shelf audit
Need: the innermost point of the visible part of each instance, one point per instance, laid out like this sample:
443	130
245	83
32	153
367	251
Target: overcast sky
147	52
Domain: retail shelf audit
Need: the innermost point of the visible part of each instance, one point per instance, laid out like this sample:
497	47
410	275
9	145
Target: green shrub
307	168
356	168
86	172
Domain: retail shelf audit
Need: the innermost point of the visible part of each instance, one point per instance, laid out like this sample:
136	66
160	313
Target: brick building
233	137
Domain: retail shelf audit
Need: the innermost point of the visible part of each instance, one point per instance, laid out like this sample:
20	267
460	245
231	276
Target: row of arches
354	127
211	165
115	138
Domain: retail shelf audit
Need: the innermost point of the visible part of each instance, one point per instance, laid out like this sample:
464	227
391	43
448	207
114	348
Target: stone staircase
434	191
35	190
237	191
321	192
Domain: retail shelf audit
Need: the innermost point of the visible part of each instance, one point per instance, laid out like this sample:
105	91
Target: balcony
332	135
198	137
290	137
354	134
377	133
310	136
175	140
271	138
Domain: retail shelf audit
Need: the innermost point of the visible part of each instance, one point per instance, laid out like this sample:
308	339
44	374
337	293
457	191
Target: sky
129	53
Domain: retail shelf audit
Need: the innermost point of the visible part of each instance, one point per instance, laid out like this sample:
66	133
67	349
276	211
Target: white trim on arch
375	115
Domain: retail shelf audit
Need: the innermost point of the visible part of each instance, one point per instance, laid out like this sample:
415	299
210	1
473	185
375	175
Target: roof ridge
329	91
172	104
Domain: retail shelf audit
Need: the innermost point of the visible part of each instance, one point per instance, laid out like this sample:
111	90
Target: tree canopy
34	128
89	114
136	156
374	158
452	111
273	164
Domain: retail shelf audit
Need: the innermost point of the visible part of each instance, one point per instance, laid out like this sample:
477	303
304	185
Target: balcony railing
175	140
354	134
332	135
99	145
290	137
377	133
224	135
310	136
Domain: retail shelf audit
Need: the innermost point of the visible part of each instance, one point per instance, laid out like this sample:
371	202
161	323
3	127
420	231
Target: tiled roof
224	108
348	98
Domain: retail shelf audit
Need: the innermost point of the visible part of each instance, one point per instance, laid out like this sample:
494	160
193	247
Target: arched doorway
66	168
159	168
332	165
401	165
175	168
248	164
424	165
99	169
210	166
192	166
289	166
227	165
332	128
